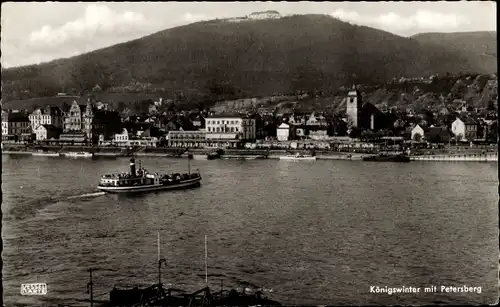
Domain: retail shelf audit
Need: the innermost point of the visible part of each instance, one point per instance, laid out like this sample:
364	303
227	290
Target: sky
35	32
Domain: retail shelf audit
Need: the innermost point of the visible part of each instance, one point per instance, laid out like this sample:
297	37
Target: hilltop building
264	15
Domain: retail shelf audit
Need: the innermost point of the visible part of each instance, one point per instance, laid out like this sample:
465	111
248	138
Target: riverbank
241	154
491	157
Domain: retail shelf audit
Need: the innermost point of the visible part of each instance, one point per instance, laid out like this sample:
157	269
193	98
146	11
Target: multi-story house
15	126
231	123
47	132
46	116
73	119
464	129
5	122
88	121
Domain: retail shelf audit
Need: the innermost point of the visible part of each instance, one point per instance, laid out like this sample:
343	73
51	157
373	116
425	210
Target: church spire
354	81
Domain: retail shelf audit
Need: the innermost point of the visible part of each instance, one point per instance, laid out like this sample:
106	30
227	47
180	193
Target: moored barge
144	181
388	158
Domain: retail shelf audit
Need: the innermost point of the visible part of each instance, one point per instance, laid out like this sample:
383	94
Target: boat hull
387	159
297	158
150	188
42	154
71	155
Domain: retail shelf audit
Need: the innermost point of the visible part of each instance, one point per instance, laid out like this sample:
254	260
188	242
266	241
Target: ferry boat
80	154
298	156
45	153
144	181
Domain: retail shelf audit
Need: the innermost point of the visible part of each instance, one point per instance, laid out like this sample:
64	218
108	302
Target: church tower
354	105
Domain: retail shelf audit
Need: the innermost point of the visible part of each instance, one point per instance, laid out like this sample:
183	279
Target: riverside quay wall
489	157
201	153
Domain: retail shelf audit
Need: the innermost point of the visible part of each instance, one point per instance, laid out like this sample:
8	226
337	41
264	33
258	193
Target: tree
417	137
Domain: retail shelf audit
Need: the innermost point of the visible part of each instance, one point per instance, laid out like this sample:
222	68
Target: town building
417	130
46	116
464	129
73	119
438	135
5	123
231	123
47	132
264	15
16	126
73	138
121	139
223	140
353	107
283	132
191	139
102	122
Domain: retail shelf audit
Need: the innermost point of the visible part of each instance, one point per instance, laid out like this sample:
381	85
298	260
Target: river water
308	232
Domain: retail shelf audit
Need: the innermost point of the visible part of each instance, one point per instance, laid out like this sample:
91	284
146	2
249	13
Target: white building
417	130
121	138
244	128
264	15
47	132
5	122
283	132
46	116
458	128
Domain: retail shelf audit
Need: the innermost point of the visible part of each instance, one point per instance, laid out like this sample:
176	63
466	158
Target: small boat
80	154
298	157
45	153
388	158
144	181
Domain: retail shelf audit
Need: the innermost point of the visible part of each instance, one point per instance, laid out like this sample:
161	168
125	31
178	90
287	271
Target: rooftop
226	115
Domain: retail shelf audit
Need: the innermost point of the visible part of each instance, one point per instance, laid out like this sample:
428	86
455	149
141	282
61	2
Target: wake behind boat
144	181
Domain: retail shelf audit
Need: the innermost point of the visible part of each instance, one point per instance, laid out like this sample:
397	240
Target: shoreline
249	154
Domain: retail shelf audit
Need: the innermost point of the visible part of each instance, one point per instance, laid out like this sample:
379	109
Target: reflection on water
315	233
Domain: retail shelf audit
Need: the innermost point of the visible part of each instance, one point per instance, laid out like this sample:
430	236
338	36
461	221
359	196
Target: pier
490	157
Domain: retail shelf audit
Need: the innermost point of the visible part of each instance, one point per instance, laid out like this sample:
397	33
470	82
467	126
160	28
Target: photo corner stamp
34	289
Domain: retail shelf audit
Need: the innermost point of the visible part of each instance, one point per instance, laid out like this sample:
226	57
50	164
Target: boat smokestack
132	167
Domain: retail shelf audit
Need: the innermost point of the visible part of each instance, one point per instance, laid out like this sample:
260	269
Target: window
218	122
